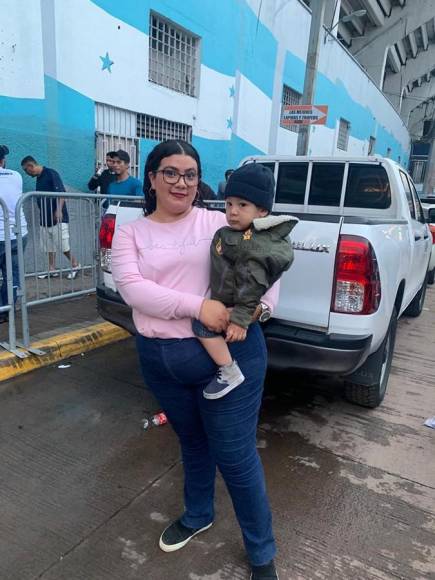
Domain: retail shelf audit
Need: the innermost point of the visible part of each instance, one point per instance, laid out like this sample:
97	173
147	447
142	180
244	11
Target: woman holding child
161	266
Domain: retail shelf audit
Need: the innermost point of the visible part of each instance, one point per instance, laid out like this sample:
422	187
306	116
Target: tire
379	363
431	277
415	308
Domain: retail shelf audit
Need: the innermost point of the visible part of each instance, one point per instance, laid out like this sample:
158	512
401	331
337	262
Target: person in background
103	178
124	183
53	216
222	184
206	192
11	189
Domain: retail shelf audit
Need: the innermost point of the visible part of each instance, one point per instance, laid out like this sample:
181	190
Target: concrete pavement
85	492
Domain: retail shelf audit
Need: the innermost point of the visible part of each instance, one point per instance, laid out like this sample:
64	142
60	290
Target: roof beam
386	6
424	38
374	12
356	21
401	51
412	44
344	33
393	59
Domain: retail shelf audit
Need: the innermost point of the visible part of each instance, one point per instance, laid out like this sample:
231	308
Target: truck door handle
417	237
426	237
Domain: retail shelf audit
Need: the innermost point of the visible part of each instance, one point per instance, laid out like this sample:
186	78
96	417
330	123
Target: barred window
290	97
149	127
343	135
173	56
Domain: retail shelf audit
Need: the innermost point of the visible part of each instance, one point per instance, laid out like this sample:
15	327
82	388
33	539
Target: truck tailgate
305	295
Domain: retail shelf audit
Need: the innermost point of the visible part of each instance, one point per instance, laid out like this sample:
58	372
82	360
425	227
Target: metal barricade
60	258
8	284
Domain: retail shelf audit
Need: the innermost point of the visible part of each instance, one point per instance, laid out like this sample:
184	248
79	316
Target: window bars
173	56
343	135
158	129
290	97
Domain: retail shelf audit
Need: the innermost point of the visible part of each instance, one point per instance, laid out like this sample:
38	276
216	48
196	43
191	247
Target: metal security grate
149	127
290	97
343	135
173	56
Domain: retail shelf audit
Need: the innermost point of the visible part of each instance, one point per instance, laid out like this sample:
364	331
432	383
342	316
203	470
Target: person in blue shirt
124	183
53	217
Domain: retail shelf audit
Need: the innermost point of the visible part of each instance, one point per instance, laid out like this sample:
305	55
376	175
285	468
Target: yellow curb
60	347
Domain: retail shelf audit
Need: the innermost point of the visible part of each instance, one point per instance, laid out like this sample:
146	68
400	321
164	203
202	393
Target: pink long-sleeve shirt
162	271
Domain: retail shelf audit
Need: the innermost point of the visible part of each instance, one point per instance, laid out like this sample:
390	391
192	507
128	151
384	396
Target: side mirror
431	215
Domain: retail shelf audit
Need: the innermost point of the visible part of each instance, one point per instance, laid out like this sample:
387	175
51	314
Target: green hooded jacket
244	265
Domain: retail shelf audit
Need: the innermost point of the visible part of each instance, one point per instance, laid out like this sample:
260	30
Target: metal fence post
22	271
10	307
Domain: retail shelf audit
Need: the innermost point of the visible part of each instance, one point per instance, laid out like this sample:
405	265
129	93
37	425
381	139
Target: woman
161	265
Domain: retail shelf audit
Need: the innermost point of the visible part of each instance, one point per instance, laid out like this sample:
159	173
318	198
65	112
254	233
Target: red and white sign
304	115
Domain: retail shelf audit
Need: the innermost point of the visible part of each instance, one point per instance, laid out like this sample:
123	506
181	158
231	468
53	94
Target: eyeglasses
172	176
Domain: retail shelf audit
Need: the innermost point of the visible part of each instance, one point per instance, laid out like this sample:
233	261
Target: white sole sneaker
220	394
175	547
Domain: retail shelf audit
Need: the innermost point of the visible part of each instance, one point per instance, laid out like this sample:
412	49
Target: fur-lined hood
283	223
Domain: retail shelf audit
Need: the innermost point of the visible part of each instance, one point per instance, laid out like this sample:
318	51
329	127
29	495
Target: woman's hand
214	315
235	333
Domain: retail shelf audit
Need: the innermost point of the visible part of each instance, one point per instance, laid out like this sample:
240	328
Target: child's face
241	213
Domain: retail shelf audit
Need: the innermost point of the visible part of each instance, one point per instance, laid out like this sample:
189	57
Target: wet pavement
85	493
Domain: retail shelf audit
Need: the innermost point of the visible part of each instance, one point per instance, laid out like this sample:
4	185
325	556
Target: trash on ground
154	421
63	366
430	422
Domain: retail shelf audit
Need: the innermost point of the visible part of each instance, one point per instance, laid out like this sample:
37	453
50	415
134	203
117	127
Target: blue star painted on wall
229	123
107	63
232	91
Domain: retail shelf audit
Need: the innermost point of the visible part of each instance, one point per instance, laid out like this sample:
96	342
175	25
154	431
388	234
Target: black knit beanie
253	182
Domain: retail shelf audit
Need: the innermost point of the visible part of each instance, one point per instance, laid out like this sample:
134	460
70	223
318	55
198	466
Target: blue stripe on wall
58	131
218	156
231	36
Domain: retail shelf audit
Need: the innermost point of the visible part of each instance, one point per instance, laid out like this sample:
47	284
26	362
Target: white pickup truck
362	249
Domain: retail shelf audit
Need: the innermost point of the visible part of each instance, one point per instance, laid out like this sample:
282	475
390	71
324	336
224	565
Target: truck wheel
416	306
431	277
378	366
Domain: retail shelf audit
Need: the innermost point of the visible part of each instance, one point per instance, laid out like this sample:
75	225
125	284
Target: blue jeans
212	433
15	272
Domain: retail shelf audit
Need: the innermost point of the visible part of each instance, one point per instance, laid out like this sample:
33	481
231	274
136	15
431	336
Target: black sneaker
266	572
227	378
177	535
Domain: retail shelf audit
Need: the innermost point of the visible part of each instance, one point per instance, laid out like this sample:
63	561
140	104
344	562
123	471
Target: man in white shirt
11	189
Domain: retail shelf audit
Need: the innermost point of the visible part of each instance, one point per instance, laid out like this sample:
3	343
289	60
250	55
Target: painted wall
52	72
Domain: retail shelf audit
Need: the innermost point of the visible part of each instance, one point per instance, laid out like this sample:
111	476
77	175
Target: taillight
432	231
107	229
357	287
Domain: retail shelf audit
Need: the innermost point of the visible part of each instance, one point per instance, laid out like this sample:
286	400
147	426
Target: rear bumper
289	347
111	307
296	348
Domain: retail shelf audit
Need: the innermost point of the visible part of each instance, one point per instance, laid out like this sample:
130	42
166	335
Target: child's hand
235	333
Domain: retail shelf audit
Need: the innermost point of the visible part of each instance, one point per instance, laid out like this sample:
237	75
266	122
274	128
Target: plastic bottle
154	421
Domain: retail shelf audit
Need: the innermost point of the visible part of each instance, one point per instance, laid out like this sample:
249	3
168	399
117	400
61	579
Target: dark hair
160	151
28	159
4	150
122	156
111	154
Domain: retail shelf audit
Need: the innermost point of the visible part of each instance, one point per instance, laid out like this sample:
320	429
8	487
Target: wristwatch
265	312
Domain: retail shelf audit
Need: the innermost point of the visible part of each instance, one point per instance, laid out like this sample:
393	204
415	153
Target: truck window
367	186
326	183
292	180
408	194
418	207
